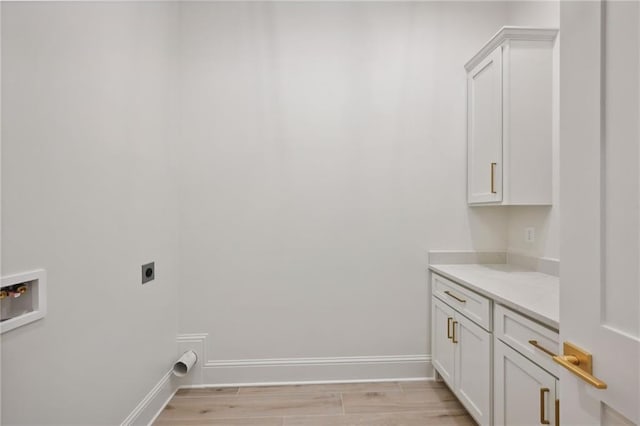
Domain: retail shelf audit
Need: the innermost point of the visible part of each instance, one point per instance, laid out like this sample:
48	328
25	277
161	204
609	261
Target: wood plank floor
362	404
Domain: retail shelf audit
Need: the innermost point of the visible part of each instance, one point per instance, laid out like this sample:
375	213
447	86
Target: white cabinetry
510	118
484	121
525	394
442	348
497	361
531	339
469	303
525	383
473	368
462	353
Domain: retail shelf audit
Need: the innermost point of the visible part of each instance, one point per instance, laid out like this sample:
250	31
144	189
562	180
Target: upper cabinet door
484	103
511	119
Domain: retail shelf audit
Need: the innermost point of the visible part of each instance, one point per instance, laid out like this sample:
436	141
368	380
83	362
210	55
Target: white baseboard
152	404
317	370
298	370
282	371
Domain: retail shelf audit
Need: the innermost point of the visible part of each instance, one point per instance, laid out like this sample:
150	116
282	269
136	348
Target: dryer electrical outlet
148	272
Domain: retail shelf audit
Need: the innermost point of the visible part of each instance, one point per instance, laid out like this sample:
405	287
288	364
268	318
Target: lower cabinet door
473	368
442	347
524	393
556	411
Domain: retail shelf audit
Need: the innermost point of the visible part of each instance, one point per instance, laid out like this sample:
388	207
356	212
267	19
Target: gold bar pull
493	178
580	363
453	337
536	345
449	327
543	421
557	412
448	293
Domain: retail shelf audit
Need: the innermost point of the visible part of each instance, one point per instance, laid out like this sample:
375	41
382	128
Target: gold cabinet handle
557	412
453	334
536	345
579	362
493	178
448	293
449	327
543	421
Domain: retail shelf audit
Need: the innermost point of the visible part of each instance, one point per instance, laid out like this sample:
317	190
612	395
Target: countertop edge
548	322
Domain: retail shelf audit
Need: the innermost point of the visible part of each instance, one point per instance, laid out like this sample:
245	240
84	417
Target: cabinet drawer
518	331
474	306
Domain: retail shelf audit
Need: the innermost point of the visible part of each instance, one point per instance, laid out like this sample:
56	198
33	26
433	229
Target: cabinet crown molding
511	33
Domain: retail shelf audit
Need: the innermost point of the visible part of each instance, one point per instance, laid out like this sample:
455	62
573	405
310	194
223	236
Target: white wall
535	13
323	154
87	194
545	220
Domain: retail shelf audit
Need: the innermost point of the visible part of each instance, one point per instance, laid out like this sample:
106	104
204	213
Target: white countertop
534	294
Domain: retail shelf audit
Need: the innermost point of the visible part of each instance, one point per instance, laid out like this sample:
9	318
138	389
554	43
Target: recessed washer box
23	299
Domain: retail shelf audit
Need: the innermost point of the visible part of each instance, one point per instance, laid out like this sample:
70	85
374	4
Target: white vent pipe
182	367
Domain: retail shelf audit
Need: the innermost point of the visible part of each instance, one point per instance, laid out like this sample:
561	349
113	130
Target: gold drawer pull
453	336
449	327
448	293
543	421
580	363
557	412
493	178
536	345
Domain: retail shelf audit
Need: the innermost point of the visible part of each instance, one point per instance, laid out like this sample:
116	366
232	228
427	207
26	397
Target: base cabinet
473	369
462	356
442	348
524	393
495	360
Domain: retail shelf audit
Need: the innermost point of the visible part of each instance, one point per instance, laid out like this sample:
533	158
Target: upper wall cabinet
510	118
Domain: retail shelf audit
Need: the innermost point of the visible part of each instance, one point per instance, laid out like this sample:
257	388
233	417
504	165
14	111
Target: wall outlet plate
148	272
530	235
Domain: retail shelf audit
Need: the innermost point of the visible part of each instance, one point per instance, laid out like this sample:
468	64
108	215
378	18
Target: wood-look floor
363	404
